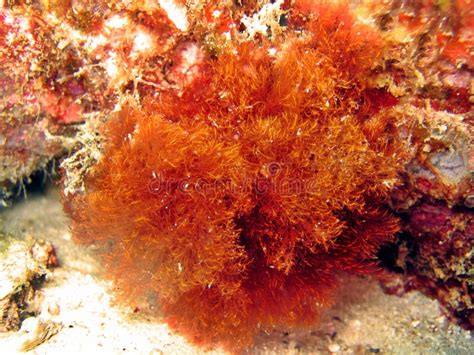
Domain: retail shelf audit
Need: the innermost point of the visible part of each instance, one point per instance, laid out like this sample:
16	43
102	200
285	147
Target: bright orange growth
237	201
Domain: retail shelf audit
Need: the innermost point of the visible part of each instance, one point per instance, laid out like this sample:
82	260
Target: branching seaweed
237	200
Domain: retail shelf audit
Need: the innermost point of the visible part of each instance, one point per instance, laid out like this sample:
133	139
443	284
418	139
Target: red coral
238	199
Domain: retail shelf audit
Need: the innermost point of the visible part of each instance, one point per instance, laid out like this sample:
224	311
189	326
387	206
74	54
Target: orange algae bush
236	200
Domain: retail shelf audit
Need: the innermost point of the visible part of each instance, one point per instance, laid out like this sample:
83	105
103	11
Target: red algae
228	158
237	198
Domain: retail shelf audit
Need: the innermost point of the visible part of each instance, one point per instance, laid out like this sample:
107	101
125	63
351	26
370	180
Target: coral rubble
440	261
429	67
23	265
